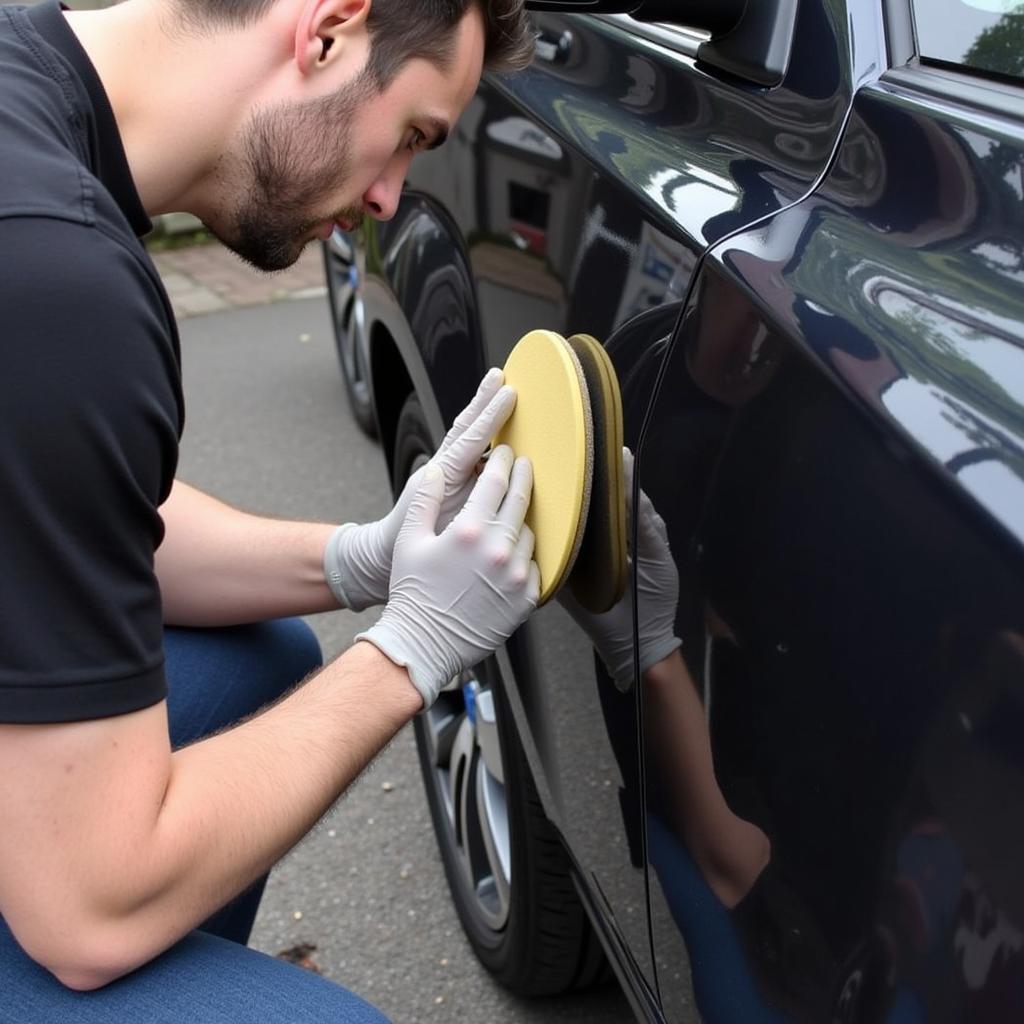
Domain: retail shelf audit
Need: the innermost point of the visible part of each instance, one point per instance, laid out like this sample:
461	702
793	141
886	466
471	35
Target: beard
293	155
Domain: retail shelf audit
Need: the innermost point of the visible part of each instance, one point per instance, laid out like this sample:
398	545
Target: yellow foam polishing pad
600	573
551	425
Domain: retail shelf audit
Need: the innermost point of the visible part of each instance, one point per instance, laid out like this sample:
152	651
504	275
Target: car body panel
424	267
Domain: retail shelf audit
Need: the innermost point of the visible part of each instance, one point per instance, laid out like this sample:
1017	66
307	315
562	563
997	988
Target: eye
416	140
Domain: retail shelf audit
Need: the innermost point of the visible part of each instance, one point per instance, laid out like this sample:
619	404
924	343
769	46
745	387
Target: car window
977	35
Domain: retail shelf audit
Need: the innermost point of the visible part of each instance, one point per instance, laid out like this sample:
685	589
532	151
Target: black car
797	226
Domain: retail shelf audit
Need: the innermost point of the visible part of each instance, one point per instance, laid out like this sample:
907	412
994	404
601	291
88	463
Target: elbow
86	974
81	959
83	978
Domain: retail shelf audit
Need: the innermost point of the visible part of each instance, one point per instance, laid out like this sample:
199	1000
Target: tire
343	272
507	870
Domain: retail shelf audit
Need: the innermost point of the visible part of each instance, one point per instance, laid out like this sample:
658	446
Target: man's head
375	82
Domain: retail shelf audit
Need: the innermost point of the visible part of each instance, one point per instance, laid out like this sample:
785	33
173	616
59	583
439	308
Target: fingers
485	392
401	506
524	568
517	500
454	500
498	507
652	539
652	534
421	519
533	585
490	489
627	487
464	451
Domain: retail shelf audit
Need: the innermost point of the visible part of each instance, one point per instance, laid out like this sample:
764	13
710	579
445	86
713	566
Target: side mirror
750	39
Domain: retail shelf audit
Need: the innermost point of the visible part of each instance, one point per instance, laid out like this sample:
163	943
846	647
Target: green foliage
1001	47
159	242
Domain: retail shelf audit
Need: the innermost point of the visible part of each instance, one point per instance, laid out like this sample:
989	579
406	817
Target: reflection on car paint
760	550
945	364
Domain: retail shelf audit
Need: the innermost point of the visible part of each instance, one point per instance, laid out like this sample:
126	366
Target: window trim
900	32
958	88
673	37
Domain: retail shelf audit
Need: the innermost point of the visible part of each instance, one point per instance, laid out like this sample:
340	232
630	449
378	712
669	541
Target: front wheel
507	870
343	268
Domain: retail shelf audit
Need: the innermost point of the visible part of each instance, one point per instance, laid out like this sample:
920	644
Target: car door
837	450
596	181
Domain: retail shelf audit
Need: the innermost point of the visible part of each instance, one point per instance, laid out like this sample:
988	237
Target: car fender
420	289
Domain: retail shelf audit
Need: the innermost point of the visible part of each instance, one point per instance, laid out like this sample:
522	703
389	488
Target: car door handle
553	49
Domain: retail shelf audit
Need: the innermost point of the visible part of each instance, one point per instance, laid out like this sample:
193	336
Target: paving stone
176	283
197	300
315	291
205	278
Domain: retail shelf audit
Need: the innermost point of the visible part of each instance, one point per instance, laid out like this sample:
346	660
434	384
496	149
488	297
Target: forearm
218	566
194	829
680	744
236	803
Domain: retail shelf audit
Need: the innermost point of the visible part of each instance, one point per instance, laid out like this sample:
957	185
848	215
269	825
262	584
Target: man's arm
113	847
218	566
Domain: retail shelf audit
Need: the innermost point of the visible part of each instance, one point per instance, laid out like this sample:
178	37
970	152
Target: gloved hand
357	559
657	582
457	596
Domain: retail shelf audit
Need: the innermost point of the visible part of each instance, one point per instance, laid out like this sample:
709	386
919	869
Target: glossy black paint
708	154
424	267
814	300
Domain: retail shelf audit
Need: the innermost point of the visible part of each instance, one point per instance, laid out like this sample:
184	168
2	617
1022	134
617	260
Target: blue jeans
215	677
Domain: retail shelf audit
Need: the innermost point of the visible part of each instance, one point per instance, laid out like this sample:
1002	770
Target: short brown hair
403	30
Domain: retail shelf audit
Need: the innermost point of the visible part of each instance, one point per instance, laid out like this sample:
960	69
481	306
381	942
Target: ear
322	26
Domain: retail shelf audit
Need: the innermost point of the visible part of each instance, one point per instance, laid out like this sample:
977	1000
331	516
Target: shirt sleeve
90	416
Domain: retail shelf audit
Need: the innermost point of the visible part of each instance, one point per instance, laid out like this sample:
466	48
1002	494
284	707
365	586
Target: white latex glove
657	583
458	595
357	559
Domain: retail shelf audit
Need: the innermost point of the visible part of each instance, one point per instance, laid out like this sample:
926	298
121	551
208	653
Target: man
271	120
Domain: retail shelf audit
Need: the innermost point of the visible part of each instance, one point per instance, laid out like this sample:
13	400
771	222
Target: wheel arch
424	330
397	369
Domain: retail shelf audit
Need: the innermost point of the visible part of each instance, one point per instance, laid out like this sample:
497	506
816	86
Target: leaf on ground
301	955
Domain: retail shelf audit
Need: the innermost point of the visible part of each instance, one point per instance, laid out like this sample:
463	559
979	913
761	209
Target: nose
380	200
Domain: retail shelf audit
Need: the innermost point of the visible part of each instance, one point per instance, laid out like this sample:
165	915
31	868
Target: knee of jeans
219	676
296	649
279	654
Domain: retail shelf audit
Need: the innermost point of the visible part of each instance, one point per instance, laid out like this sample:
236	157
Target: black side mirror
711	15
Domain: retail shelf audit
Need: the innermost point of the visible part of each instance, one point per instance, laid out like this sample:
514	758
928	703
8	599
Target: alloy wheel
461	733
345	274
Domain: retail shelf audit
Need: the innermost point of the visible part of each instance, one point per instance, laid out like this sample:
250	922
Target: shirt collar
109	162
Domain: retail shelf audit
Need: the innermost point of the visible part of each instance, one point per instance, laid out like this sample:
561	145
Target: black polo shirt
90	393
